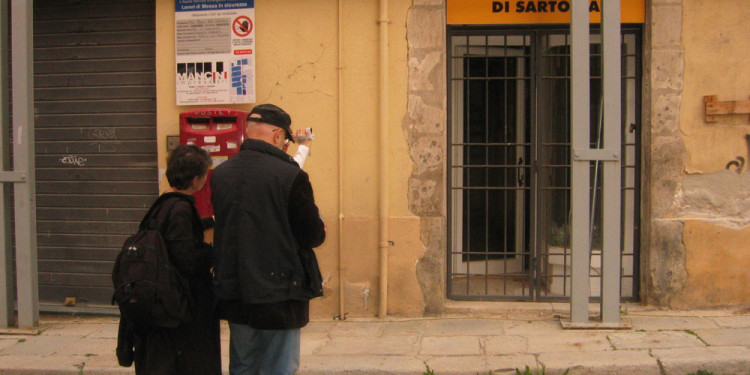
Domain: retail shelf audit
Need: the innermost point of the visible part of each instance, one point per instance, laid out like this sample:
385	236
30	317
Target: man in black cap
266	226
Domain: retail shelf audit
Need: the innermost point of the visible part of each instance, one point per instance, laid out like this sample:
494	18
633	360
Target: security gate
509	164
96	151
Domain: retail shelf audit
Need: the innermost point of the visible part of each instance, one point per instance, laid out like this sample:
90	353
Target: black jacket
194	347
266	226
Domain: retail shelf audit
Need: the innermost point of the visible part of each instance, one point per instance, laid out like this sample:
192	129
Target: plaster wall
297	68
696	170
694	207
714	195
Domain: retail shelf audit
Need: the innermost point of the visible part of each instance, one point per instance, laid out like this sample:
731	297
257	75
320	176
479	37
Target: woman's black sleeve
207	222
184	250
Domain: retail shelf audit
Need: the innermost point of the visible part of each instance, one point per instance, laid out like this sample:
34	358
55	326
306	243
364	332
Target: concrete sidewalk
469	338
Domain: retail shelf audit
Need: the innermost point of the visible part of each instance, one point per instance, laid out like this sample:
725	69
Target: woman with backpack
188	344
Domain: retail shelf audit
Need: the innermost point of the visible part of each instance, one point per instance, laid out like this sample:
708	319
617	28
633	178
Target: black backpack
148	289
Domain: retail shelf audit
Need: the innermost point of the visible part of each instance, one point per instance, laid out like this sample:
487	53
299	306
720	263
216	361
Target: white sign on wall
215	51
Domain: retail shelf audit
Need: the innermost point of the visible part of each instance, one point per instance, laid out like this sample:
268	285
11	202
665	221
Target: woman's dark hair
185	163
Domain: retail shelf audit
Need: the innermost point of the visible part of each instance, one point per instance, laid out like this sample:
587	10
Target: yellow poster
472	12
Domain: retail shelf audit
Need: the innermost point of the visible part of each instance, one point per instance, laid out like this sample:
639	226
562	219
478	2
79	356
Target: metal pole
611	62
7	286
23	160
580	128
383	184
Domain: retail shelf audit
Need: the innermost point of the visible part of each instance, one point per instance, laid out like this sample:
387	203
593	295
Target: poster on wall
215	51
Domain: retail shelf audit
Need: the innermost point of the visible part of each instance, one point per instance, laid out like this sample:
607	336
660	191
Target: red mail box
220	131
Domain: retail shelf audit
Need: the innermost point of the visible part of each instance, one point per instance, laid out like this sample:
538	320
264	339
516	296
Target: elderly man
266	226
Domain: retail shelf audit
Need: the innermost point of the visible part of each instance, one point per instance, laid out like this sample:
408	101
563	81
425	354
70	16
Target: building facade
442	157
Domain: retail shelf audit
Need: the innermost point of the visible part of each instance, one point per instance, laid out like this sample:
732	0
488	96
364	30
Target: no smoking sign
242	26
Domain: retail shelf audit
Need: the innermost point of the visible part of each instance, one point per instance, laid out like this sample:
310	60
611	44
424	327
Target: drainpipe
383	160
340	68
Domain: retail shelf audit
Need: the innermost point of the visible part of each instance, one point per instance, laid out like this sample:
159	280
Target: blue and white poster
215	51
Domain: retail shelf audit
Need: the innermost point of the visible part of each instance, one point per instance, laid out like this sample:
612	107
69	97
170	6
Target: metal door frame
535	33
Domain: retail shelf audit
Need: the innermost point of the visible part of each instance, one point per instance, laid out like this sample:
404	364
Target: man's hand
302	137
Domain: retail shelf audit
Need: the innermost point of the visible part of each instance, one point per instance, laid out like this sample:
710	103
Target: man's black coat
266	226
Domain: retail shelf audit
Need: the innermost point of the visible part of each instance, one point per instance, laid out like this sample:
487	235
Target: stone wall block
424	127
423	118
421	69
665	113
426	194
421	31
666	24
667	165
431	267
427	152
668	66
667	262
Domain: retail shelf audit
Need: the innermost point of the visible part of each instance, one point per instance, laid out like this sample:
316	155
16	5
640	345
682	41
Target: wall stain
739	162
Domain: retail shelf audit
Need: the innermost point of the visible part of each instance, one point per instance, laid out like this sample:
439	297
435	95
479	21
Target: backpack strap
149	219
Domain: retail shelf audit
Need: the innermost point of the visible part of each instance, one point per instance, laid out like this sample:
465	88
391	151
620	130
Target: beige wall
694	246
699	207
715	204
297	68
716	39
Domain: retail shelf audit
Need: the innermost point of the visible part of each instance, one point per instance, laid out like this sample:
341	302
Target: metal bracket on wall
172	142
12	176
714	107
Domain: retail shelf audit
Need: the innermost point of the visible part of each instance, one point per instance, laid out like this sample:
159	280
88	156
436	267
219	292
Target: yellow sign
472	12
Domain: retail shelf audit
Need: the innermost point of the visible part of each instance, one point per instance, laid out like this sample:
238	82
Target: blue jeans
259	352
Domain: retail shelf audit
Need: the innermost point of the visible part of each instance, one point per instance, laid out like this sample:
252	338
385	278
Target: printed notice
215	51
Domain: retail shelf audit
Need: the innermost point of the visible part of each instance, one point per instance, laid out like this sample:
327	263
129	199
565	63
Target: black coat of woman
193	347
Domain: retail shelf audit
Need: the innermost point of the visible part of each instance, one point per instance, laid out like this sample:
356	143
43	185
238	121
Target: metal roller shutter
96	156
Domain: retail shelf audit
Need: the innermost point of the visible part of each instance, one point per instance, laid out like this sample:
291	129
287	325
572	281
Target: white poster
215	51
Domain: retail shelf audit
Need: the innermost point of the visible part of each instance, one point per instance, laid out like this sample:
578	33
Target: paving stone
66	329
42	345
654	339
717	359
508	363
351	345
530	328
105	331
502	345
6	342
103	362
41	365
319	326
406	327
655	323
464	365
725	336
741	321
311	342
464	327
88	347
450	346
350	328
606	362
569	341
361	364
